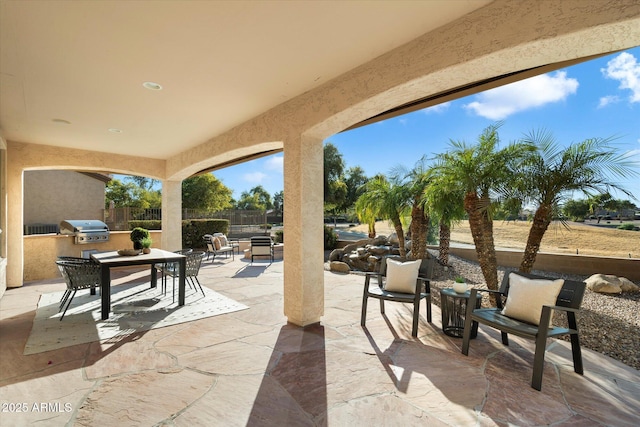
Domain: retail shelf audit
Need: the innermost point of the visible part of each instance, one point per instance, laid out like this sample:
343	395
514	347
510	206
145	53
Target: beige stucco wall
45	248
563	263
22	157
3	215
51	196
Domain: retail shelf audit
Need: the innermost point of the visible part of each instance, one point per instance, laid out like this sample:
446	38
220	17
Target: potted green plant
146	245
460	285
137	235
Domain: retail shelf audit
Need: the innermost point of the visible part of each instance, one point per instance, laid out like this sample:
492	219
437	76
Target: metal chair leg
68	304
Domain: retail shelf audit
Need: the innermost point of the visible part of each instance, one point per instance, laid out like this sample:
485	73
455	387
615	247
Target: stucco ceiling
72	70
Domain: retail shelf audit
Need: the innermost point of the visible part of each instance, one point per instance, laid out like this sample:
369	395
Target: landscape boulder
610	284
336	255
362	255
339	266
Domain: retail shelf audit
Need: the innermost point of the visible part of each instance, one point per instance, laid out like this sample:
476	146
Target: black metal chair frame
171	269
378	291
568	301
193	263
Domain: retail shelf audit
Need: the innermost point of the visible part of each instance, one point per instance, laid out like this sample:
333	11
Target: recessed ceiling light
152	86
114	130
61	121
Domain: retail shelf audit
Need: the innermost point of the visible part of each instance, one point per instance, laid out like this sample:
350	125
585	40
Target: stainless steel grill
85	231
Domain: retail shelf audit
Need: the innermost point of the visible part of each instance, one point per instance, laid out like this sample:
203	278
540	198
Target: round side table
453	307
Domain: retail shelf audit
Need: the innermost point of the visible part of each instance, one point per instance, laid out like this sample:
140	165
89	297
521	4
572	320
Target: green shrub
279	236
266	226
194	229
149	224
627	226
330	238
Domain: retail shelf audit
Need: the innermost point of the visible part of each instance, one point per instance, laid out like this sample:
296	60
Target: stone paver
253	368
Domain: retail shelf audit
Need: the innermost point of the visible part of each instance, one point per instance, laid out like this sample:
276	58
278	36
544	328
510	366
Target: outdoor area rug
134	308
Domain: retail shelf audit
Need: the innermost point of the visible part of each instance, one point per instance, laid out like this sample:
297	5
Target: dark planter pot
137	245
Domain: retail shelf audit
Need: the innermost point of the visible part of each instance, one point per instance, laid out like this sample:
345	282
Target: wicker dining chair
77	275
193	262
67	292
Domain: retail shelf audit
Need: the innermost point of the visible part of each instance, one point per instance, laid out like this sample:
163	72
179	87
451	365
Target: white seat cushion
261	250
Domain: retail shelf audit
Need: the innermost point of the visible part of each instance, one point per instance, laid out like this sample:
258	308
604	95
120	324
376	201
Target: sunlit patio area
250	367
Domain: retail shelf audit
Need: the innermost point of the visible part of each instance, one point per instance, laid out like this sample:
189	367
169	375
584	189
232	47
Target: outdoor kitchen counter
107	260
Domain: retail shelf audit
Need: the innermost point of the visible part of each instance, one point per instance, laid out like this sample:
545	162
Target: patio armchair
227	241
77	275
398	281
527	312
261	246
217	245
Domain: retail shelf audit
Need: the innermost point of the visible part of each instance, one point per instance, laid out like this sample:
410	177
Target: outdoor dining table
107	260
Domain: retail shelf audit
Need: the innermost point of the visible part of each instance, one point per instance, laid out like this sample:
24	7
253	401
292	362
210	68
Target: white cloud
501	102
254	177
626	70
609	99
403	121
274	163
440	108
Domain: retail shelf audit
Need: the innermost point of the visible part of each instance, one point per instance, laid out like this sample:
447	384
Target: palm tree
366	214
445	201
383	199
414	183
550	173
481	171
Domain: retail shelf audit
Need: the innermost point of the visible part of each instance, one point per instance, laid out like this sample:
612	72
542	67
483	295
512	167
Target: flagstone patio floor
252	368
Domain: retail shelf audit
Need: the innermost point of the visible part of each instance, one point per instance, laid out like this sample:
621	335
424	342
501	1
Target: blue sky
599	98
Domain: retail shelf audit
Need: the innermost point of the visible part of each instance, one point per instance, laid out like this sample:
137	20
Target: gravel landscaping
609	324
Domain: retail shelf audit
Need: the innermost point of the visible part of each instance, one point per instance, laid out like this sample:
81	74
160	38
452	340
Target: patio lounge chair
217	245
261	246
398	281
528	315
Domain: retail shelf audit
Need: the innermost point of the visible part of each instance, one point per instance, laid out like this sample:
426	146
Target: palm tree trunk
445	242
481	226
397	225
419	230
372	230
541	221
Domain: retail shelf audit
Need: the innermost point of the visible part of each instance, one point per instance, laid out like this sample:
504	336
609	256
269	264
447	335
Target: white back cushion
527	296
402	276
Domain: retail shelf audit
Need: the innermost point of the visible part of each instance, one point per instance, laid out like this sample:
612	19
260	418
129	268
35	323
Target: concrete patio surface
252	368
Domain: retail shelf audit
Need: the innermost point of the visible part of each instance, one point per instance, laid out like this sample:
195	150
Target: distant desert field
581	237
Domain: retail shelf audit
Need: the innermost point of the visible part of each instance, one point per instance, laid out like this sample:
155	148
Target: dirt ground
583	238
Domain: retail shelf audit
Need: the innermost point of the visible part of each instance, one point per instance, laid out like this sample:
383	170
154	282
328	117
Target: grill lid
73	226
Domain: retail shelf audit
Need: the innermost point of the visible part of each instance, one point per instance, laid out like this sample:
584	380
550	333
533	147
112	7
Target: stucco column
171	215
15	202
303	232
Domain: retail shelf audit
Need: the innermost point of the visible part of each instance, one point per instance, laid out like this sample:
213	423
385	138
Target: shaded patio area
251	368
